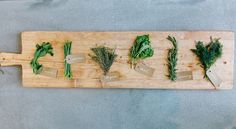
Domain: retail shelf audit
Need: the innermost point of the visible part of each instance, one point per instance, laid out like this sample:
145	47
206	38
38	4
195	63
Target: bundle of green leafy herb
104	56
208	54
41	50
172	58
67	51
140	50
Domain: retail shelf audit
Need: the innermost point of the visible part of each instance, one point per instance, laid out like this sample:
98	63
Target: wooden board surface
89	72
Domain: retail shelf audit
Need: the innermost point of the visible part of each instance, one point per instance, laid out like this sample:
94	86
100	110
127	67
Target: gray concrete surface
28	108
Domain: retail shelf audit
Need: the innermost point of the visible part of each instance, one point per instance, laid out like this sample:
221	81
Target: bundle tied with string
141	50
105	57
208	54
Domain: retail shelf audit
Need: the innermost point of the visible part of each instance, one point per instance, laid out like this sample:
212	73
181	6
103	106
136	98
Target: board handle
11	59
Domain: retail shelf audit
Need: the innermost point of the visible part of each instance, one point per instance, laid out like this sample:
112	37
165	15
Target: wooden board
89	72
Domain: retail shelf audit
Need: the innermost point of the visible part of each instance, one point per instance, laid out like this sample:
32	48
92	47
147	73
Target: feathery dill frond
208	54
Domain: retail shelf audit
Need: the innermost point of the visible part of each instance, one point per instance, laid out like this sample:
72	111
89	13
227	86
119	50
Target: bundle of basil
140	50
41	50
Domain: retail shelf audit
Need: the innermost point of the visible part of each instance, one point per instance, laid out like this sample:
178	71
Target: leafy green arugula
172	58
41	50
208	54
67	51
104	56
141	49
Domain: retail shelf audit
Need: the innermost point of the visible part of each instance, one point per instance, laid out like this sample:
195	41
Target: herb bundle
208	54
67	51
141	49
41	50
172	58
104	56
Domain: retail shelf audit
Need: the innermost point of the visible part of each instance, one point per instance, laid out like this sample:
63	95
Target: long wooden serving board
89	72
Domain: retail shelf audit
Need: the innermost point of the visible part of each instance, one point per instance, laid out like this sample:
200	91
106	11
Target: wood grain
88	73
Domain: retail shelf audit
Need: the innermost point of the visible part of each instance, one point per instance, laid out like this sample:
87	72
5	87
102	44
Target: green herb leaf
172	59
208	54
104	56
67	51
41	50
141	49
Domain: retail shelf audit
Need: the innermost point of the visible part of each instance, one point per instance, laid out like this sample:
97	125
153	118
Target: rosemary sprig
41	50
104	56
67	51
140	50
208	54
172	58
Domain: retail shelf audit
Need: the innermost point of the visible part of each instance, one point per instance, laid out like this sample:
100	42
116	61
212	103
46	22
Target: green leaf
41	50
141	49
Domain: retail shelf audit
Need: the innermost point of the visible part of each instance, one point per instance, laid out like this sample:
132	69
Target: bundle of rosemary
208	54
104	56
67	51
140	50
172	59
41	50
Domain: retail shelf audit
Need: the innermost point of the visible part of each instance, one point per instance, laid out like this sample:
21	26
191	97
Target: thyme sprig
140	50
104	56
41	50
208	54
67	51
172	59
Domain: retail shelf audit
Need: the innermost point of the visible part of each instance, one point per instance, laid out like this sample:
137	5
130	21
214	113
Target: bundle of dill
172	59
208	54
41	50
141	49
67	51
104	56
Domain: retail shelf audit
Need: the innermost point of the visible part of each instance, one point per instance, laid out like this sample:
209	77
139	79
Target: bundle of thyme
41	50
172	59
140	50
208	54
104	56
67	51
